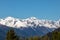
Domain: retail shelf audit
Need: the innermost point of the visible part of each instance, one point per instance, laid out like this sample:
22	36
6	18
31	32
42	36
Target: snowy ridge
32	21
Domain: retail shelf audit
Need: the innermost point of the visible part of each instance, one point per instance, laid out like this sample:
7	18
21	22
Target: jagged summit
32	21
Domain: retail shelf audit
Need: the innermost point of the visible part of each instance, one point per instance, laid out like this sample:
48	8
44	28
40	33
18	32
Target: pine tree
11	35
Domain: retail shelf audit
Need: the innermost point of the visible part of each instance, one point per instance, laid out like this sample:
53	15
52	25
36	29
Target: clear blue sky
43	9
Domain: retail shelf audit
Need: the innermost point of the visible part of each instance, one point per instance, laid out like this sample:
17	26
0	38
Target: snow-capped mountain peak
28	27
32	21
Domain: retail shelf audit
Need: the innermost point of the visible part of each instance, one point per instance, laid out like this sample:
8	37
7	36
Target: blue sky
43	9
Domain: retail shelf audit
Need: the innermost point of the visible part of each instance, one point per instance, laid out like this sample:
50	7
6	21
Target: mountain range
27	27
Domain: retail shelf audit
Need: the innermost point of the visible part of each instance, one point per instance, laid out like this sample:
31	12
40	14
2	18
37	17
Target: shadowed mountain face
26	32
